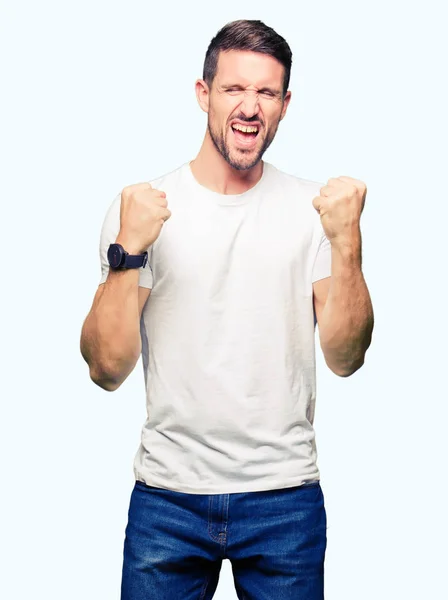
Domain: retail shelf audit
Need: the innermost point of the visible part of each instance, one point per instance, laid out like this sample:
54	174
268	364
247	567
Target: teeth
245	129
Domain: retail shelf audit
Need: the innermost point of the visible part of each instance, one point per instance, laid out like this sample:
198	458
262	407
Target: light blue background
99	95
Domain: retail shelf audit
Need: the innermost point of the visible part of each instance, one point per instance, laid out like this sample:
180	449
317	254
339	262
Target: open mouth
245	136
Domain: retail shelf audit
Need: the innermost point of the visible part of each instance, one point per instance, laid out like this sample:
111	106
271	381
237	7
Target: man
238	270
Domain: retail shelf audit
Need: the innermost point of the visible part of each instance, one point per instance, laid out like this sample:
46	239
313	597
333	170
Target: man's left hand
340	205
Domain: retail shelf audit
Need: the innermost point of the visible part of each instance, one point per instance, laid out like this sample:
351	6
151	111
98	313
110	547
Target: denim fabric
175	543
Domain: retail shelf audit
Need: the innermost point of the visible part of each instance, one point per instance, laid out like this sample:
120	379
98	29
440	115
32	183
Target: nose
250	103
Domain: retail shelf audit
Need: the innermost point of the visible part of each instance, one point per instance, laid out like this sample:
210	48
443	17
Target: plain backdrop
97	95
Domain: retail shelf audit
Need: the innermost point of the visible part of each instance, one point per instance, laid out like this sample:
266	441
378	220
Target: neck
212	171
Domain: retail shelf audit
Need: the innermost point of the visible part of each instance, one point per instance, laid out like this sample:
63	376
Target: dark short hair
247	35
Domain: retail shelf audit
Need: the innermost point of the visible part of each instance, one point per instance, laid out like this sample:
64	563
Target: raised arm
110	336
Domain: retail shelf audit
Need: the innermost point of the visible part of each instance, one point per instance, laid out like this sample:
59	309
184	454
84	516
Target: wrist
346	254
348	243
129	245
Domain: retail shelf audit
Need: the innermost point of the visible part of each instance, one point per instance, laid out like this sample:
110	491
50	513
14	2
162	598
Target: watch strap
135	261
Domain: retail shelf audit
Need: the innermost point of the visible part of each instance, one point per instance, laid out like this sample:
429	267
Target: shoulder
168	179
294	182
163	183
298	194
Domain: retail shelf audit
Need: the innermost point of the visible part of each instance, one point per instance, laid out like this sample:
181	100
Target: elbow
109	376
109	372
107	384
106	379
348	370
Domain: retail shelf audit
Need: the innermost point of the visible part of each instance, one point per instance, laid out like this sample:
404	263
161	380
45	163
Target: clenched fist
340	205
143	212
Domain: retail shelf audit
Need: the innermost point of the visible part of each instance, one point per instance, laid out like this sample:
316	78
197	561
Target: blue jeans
175	543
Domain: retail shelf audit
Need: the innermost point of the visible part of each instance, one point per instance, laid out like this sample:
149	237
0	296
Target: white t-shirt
228	335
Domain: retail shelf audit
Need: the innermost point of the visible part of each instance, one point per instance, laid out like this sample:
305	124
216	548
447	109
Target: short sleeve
322	264
109	233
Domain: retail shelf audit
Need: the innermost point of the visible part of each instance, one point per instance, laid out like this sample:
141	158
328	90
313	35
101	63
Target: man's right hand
143	212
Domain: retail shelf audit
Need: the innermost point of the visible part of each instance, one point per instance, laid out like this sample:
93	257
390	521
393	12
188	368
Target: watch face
115	255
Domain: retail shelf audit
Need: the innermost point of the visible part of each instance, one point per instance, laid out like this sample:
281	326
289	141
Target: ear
286	102
202	94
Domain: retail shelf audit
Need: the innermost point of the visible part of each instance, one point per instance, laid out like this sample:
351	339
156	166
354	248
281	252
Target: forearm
110	338
346	324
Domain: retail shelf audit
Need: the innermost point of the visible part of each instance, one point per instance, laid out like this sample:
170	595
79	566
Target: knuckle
135	187
125	192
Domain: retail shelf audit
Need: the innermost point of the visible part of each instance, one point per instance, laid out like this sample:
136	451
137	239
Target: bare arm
344	312
110	337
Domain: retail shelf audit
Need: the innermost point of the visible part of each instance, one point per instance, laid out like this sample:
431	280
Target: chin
243	163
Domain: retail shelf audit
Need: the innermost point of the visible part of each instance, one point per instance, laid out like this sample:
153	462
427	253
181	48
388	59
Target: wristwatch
120	259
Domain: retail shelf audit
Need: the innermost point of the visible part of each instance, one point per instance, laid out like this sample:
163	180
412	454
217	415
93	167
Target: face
247	90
